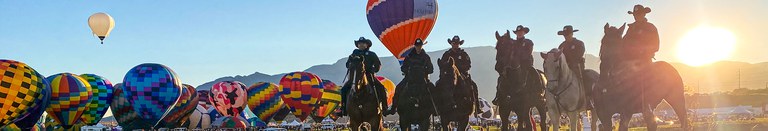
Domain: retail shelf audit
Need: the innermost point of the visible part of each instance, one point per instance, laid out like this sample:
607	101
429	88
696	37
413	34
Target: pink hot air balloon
228	97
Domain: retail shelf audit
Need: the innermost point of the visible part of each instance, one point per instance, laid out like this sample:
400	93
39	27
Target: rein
558	93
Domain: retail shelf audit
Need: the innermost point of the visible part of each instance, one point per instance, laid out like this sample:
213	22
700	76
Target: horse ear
543	55
498	37
621	29
507	34
461	42
606	26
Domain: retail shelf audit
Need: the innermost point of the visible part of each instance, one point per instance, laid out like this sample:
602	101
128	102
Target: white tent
740	111
294	123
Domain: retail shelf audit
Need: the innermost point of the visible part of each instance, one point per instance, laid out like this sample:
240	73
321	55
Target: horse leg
354	125
376	124
649	117
444	121
405	125
543	117
504	114
463	122
523	120
555	114
424	124
593	120
574	121
624	121
677	101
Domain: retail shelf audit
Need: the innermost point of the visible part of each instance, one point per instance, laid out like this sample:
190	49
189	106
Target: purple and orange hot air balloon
301	91
264	100
397	23
228	97
69	96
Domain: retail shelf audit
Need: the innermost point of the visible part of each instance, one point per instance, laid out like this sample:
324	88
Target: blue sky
205	40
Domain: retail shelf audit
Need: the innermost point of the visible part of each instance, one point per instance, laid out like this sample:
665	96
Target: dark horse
622	90
520	89
414	102
457	95
362	104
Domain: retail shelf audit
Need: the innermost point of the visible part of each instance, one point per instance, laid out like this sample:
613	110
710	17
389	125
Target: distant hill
721	76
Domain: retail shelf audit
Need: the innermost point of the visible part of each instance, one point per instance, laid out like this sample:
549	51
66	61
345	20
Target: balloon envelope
30	121
264	100
390	86
203	98
101	24
152	89
69	96
397	23
330	101
20	89
282	113
200	118
301	91
121	108
102	98
228	97
179	113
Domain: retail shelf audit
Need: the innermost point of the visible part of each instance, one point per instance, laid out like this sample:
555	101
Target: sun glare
704	45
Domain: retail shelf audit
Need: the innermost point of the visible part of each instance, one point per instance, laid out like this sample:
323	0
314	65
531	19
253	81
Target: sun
704	45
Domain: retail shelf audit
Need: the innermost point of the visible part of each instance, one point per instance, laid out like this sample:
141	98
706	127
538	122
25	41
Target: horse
414	103
519	89
637	92
565	93
362	105
457	94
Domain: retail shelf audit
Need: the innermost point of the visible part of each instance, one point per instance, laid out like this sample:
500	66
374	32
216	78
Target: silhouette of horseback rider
641	41
360	57
520	51
416	67
460	57
573	49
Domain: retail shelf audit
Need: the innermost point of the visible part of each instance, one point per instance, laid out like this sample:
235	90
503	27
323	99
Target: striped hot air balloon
390	86
301	91
329	102
69	96
398	23
264	100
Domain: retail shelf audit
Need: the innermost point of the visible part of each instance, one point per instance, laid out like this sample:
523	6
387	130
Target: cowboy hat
418	42
568	29
639	9
521	28
456	39
363	40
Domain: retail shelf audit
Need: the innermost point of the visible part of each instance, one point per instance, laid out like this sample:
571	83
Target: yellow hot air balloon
101	24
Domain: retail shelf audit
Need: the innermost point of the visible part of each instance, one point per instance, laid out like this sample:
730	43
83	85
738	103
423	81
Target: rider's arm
465	64
375	62
430	69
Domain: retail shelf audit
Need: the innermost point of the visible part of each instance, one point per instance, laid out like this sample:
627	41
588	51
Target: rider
573	49
642	38
372	65
416	66
521	51
461	59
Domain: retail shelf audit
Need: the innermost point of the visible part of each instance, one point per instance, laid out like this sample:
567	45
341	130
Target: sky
205	40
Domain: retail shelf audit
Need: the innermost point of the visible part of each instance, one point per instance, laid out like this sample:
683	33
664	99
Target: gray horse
566	94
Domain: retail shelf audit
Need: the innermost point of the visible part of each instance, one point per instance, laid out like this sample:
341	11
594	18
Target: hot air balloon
330	101
264	100
122	109
231	122
282	113
301	92
397	23
100	101
228	97
69	96
27	86
203	98
200	118
152	89
179	114
390	86
30	121
101	24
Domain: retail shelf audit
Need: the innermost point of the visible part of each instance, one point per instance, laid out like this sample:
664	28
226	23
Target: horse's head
503	39
612	34
554	66
506	39
453	73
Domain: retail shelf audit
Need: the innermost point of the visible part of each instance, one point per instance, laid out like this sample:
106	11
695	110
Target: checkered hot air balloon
30	121
179	114
69	96
228	97
21	87
122	109
301	91
397	23
329	102
264	100
390	86
152	89
101	99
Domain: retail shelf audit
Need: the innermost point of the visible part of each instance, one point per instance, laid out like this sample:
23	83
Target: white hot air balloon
101	24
